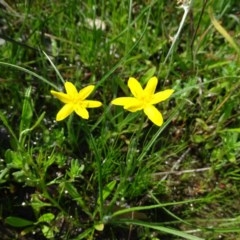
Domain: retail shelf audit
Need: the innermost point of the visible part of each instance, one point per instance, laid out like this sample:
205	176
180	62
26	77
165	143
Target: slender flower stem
99	167
186	7
141	124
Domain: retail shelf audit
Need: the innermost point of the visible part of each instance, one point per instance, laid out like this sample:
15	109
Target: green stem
47	195
138	134
99	175
52	200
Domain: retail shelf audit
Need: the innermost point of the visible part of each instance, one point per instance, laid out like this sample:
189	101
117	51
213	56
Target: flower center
78	101
145	100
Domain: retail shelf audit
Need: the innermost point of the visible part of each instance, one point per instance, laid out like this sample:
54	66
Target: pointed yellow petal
92	104
161	96
71	89
134	106
122	101
135	87
85	92
63	97
64	112
81	111
129	103
154	115
151	86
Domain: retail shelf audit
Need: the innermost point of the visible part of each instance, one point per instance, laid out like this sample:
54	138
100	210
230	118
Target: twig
186	7
176	165
182	172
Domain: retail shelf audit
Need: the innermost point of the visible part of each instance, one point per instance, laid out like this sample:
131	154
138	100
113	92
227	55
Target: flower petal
63	97
151	86
91	104
71	89
85	92
154	115
135	87
64	112
134	106
122	101
81	111
161	96
129	103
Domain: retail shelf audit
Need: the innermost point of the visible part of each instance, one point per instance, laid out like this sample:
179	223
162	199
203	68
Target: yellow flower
144	99
75	101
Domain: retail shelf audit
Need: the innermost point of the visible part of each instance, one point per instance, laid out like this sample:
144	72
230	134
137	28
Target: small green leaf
47	232
18	222
37	204
7	125
99	226
47	217
27	111
107	190
73	192
14	159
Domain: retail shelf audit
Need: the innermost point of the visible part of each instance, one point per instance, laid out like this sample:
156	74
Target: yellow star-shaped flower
144	99
75	101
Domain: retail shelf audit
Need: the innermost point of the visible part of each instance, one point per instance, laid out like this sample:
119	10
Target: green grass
117	175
